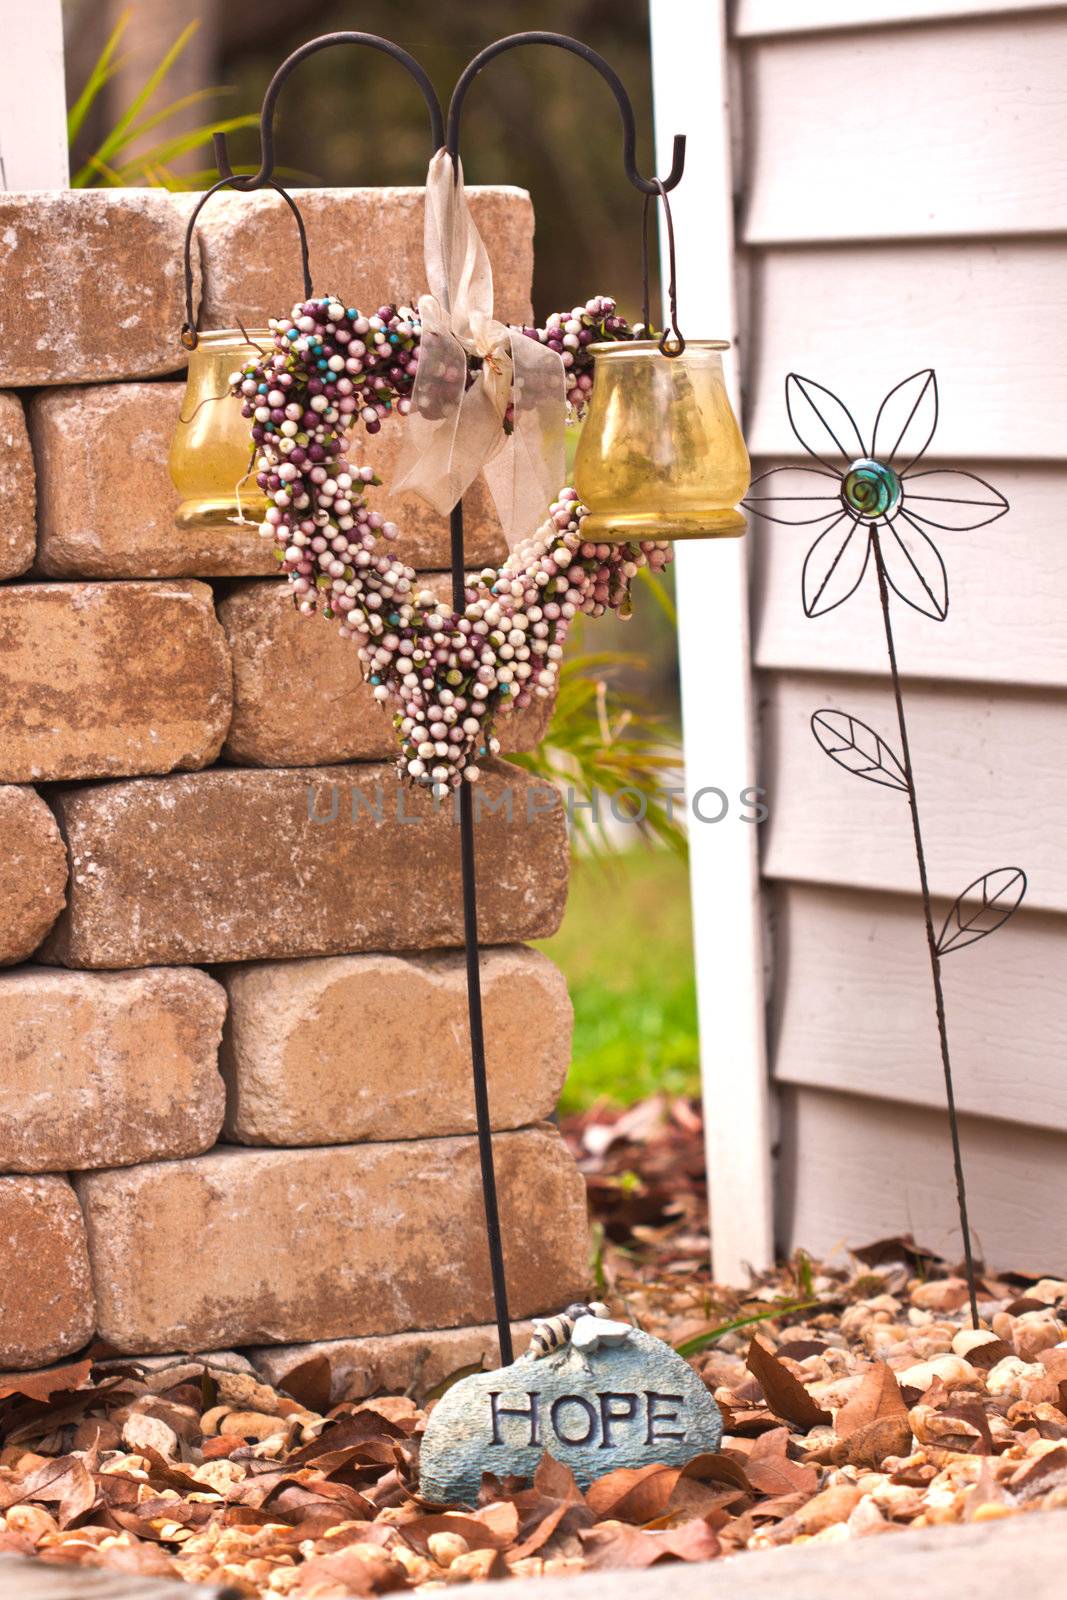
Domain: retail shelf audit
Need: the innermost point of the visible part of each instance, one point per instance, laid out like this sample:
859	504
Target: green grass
626	950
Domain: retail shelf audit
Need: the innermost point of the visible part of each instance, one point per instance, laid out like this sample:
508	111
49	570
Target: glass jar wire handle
667	345
189	335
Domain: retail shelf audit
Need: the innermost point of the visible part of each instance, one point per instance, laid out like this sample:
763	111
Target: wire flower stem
931	936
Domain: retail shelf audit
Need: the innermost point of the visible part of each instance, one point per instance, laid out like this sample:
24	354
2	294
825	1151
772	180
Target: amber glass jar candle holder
211	452
661	455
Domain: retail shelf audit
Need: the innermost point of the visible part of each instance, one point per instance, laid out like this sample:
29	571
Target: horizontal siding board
855	1170
990	317
991	774
979	149
854	1007
1007	597
756	18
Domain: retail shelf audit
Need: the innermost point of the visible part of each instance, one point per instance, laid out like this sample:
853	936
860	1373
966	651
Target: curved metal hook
563	42
189	334
666	345
265	174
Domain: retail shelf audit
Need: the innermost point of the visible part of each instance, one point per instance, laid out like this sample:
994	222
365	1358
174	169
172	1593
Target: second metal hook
666	345
584	52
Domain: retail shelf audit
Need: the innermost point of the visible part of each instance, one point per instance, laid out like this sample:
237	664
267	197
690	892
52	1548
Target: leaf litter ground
857	1401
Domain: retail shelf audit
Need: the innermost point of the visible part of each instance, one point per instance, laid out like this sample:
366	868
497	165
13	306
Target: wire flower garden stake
873	505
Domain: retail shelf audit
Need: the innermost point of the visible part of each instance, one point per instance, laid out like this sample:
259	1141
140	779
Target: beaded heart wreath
446	673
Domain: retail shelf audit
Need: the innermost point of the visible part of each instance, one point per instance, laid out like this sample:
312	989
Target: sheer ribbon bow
455	431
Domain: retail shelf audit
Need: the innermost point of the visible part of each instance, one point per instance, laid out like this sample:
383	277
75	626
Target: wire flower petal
834	566
913	566
823	424
798	495
906	421
942	497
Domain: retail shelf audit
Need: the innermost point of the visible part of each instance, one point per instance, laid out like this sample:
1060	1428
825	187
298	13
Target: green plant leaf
195	98
118	135
151	165
102	71
701	1341
661	594
181	144
599	748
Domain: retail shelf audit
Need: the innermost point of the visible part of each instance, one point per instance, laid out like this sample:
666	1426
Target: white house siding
902	180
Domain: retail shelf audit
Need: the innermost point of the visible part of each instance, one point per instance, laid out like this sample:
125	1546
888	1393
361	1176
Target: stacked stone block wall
235	1106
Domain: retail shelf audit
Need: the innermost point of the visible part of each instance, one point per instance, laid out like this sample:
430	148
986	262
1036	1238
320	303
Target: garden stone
629	1405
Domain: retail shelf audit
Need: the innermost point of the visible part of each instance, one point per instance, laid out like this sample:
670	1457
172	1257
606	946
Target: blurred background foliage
149	80
537	118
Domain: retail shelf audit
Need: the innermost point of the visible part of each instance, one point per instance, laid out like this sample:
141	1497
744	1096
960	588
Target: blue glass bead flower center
871	490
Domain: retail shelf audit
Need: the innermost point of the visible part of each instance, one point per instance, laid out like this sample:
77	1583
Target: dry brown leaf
67	1482
717	1468
786	1395
552	1504
360	1569
975	1437
632	1494
46	1382
873	1423
901	1247
310	1382
1048	1471
770	1471
984	1356
493	1532
146	1560
617	1544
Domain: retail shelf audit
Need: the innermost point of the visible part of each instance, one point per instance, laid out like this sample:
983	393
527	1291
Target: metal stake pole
474	1002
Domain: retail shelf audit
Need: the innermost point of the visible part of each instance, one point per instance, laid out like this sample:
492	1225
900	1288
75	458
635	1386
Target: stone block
102	1069
46	1294
17	491
394	1363
300	698
281	1246
337	1051
110	678
106	502
91	285
244	865
33	872
365	245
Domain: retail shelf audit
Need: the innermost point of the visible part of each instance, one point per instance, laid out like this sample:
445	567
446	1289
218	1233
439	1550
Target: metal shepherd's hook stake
438	139
466	799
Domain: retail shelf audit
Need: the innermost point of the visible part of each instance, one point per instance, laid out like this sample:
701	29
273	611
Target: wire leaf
983	907
857	748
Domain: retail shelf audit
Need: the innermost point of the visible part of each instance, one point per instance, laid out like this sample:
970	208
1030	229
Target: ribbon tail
451	429
429	436
458	270
526	474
